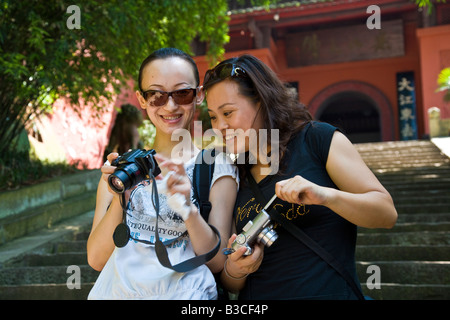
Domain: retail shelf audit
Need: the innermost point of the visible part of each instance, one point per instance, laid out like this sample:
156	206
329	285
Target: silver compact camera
259	229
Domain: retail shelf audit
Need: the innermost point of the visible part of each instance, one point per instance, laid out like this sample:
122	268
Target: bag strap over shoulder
201	180
306	240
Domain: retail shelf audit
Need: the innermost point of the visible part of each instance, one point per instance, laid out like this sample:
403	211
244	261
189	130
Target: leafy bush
21	169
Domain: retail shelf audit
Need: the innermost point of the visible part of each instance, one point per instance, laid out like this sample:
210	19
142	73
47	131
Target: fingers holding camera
238	265
112	156
107	168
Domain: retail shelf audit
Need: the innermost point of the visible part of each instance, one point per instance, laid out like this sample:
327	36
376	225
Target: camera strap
305	239
122	235
160	247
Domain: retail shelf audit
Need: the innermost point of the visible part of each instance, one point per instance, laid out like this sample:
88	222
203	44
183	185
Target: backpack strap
201	180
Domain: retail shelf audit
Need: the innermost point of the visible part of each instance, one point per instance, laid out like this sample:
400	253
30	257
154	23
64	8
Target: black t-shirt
290	270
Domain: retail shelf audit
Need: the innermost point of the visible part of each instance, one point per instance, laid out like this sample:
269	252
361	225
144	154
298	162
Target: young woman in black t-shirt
323	186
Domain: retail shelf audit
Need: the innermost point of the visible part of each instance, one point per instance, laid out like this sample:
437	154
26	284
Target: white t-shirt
134	272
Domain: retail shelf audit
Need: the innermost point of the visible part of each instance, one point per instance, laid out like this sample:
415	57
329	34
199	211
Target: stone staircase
413	258
43	231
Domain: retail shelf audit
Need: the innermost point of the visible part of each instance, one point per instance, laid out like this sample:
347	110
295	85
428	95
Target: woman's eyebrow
162	86
223	105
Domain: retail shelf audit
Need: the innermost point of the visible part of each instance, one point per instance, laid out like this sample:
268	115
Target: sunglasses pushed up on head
223	71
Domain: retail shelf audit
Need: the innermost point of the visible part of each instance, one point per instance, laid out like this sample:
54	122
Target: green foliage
444	83
427	4
147	132
19	172
41	59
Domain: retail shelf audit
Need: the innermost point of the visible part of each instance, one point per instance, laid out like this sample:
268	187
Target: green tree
427	4
52	49
444	83
42	57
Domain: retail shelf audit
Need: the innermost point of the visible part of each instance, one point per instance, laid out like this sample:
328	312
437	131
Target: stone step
71	246
397	148
417	155
423	218
43	241
49	291
408	272
405	154
405	238
405	163
415	174
53	191
443	200
426	186
82	235
19	225
404	252
390	170
419	226
412	273
373	150
389	167
424	207
417	193
53	259
410	227
438	180
44	275
424	156
399	291
418	190
387	291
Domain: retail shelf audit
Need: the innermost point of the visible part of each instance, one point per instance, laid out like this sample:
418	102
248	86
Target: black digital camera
133	167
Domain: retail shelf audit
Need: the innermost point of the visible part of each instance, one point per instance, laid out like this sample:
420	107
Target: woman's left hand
298	190
178	181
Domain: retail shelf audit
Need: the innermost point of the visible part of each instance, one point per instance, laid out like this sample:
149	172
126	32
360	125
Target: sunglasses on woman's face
158	98
224	71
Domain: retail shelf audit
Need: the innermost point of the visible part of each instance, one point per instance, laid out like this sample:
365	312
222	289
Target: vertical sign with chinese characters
406	93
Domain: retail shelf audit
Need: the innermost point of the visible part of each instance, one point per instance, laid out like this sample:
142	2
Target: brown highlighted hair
280	109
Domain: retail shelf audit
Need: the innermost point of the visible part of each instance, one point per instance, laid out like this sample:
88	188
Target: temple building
369	67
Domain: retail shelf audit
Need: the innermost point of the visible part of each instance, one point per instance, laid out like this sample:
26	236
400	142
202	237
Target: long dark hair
280	109
164	53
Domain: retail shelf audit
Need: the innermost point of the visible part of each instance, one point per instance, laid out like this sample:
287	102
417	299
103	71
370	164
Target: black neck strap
122	235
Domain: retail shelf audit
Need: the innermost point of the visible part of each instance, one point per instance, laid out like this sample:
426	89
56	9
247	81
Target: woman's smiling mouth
171	118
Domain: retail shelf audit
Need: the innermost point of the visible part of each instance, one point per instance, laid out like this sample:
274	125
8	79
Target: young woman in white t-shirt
133	271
